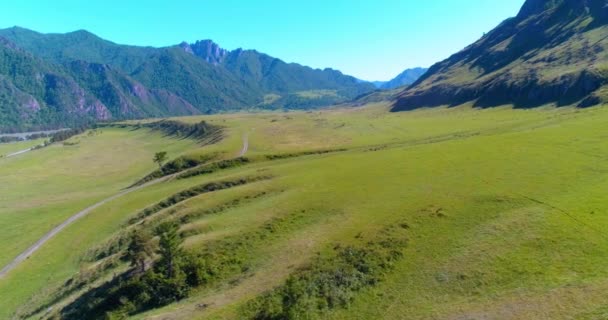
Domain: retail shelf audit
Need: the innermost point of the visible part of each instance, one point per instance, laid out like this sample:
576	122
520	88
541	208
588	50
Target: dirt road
29	251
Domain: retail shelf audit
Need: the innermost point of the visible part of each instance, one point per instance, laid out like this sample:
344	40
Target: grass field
8	148
504	211
43	187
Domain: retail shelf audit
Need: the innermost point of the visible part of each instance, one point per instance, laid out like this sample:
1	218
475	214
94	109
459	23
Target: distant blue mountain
405	78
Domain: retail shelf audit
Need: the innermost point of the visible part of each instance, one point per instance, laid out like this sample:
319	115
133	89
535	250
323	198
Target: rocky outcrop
206	50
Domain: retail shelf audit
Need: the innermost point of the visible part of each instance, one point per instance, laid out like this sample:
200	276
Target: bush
300	154
192	192
66	134
199	130
331	282
213	167
180	164
8	139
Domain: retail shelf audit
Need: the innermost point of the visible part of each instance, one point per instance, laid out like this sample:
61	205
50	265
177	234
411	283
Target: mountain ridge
198	78
550	53
405	78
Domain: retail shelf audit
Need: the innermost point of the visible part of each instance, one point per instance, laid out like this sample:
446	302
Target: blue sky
369	39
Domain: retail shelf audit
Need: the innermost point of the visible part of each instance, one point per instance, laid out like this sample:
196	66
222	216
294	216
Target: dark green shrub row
300	154
213	167
120	242
176	272
115	245
7	139
192	192
199	130
331	282
66	134
191	216
180	164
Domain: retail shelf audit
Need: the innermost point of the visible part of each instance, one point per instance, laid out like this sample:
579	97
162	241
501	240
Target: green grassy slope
68	179
8	148
501	211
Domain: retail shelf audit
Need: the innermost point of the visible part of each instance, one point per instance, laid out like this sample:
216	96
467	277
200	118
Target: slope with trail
49	235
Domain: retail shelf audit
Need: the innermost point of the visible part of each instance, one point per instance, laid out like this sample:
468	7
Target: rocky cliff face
32	90
206	50
551	52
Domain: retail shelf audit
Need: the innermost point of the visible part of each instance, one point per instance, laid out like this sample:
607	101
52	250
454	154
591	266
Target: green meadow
444	213
8	148
43	187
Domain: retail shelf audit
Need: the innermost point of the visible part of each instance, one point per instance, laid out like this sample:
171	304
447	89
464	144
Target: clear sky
369	39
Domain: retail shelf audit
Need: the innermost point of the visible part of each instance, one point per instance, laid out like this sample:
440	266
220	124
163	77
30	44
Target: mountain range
58	80
552	52
405	78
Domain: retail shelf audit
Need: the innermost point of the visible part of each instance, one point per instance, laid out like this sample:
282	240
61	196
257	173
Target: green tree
169	248
140	249
160	158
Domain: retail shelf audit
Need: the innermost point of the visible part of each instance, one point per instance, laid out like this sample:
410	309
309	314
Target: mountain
78	45
405	78
551	52
123	95
260	72
103	80
39	95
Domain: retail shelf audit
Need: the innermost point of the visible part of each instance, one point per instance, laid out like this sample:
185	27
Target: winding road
29	251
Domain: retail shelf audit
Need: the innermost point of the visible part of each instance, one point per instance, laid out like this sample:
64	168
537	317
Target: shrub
330	282
213	167
199	130
180	164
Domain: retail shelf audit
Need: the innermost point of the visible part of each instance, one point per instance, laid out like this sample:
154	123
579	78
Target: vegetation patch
9	139
172	128
193	192
300	154
201	130
121	241
213	167
82	279
331	282
180	164
117	244
66	134
191	216
173	276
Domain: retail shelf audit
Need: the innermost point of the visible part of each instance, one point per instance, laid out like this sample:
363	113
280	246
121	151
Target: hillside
353	213
133	82
39	95
405	78
551	52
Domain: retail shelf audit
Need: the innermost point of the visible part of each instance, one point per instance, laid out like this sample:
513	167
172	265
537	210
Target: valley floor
485	214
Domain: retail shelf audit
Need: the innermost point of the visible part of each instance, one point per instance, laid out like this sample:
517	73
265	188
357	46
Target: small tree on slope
160	158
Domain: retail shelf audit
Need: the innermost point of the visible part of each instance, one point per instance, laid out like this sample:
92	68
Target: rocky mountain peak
207	50
186	47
